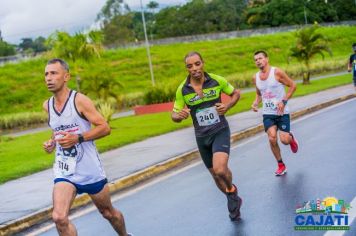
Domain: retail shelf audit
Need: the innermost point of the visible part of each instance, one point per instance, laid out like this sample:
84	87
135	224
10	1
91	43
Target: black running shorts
217	142
282	122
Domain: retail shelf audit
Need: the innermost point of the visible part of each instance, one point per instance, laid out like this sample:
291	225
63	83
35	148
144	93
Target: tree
80	47
26	43
116	22
200	16
39	44
105	89
29	46
309	44
345	9
6	49
119	30
101	85
321	11
112	9
152	5
289	12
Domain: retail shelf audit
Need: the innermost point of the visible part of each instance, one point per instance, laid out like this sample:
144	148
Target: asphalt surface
188	203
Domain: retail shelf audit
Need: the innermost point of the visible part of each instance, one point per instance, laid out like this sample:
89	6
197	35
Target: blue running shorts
93	188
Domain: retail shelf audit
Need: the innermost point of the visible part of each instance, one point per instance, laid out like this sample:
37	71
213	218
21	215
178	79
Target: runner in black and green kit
201	93
351	66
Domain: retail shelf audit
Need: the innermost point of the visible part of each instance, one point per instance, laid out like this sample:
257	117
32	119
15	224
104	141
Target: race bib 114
65	165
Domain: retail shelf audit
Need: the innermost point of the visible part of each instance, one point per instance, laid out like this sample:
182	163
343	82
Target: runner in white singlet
77	168
270	89
80	163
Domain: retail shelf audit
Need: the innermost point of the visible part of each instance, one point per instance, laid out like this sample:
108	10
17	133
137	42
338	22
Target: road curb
42	215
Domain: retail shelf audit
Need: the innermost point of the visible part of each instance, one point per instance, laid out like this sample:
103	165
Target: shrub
106	110
241	83
159	94
130	100
22	120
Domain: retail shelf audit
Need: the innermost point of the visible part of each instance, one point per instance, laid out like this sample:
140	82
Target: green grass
24	155
22	85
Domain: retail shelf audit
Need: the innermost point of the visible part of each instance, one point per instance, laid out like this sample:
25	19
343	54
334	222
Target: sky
33	18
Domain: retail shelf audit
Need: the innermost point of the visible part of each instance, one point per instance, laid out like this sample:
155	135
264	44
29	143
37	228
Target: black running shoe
234	203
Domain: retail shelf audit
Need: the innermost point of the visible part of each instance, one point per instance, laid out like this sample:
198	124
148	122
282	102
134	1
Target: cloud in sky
24	18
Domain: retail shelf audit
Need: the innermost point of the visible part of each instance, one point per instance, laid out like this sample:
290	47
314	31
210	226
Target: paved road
187	203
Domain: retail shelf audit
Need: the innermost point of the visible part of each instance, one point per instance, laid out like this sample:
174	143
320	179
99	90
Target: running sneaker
282	169
234	203
293	143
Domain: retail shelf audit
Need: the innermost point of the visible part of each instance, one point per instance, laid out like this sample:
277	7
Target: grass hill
22	85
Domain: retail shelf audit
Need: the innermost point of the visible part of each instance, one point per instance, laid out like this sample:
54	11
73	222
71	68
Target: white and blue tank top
80	163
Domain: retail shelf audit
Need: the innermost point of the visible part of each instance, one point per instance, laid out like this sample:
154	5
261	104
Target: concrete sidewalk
31	194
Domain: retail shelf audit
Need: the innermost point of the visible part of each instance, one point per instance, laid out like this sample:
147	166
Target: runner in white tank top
270	89
272	93
80	163
77	166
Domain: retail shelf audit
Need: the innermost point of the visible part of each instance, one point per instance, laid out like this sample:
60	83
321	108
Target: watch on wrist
285	101
80	138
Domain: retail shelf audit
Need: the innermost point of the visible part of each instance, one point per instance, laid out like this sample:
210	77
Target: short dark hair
192	53
261	51
60	61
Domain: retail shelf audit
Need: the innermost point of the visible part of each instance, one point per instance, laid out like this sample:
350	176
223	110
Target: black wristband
80	138
285	101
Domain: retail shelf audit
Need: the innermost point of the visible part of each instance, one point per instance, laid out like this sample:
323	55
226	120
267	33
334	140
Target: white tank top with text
272	93
79	164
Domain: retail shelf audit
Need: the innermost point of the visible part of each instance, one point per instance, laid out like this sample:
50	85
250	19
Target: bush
241	83
106	110
321	67
159	94
22	120
130	100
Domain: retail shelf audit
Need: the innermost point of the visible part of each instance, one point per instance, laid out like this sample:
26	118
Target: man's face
261	61
195	66
55	77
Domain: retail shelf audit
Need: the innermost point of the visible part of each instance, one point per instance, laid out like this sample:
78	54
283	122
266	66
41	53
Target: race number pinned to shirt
207	116
270	105
64	165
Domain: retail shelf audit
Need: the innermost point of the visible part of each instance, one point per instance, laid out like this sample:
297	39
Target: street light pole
147	45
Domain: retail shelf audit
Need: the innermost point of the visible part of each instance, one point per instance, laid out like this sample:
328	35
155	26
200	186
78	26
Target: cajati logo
327	214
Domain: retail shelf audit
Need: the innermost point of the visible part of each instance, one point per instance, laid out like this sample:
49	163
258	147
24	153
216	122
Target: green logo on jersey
208	94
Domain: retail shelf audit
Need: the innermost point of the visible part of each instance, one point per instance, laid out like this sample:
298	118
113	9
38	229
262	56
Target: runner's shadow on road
289	191
238	228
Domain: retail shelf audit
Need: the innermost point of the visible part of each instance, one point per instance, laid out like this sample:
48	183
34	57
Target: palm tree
85	47
102	86
152	5
309	44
